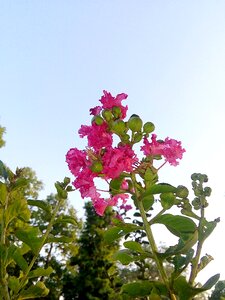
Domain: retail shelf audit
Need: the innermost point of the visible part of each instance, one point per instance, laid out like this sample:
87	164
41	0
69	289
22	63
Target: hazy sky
56	57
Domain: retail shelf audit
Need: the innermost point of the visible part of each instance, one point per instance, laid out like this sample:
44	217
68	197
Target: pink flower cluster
101	159
112	160
170	149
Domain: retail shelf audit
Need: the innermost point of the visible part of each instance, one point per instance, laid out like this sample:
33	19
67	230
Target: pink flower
118	160
126	207
108	102
95	110
97	135
170	149
123	197
76	160
124	185
153	148
100	206
85	183
173	151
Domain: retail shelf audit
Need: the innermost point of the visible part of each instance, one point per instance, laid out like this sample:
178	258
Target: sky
56	58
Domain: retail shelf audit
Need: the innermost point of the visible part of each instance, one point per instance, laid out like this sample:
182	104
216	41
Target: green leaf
184	290
138	289
13	253
18	208
167	200
143	288
123	256
3	193
204	261
20	260
3	171
20	183
41	204
30	236
160	188
133	246
3	253
211	282
181	261
13	283
149	176
147	201
115	185
66	219
35	291
178	225
183	247
209	227
40	272
119	231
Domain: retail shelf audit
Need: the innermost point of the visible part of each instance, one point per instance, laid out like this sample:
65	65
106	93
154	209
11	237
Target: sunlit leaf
30	236
3	193
17	208
20	260
40	272
35	291
13	283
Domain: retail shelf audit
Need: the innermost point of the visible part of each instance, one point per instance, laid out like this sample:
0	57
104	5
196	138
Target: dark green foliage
96	272
219	291
2	131
57	253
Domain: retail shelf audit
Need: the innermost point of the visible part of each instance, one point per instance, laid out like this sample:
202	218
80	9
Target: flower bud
69	188
196	203
135	123
96	167
148	127
116	112
98	120
195	176
125	138
119	126
182	191
207	191
107	115
66	180
137	137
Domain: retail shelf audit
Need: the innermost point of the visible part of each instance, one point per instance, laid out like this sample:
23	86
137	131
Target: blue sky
56	57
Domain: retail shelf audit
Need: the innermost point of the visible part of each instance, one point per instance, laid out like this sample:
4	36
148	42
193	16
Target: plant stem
152	242
195	261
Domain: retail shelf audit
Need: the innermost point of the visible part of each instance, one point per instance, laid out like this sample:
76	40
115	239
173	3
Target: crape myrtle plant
20	277
128	177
